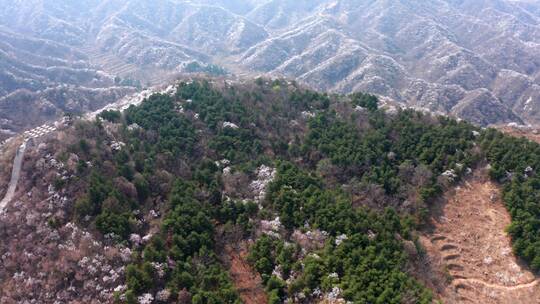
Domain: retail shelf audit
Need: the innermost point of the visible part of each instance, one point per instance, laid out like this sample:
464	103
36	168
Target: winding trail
496	286
15	175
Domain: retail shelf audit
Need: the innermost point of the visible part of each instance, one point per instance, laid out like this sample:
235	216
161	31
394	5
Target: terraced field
109	62
114	65
469	244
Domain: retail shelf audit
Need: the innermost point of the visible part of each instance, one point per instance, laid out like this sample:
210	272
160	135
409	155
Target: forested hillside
328	191
344	170
515	163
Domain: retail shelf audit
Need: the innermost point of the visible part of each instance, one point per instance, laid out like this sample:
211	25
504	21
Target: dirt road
15	175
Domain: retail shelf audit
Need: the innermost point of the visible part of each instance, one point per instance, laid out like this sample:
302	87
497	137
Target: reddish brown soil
469	245
247	281
530	133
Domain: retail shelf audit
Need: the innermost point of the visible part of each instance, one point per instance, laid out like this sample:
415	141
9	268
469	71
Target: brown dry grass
467	242
530	133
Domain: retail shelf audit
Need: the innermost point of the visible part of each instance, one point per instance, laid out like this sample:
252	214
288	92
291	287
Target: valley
439	56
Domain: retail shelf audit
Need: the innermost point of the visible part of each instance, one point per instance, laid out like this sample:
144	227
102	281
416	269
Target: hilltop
264	190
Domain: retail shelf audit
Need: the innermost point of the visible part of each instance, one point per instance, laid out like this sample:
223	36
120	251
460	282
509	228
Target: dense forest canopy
515	163
360	179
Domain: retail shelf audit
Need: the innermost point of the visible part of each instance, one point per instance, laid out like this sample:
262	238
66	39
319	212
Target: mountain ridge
435	55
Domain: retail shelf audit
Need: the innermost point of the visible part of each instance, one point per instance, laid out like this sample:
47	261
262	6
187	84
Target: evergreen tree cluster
364	178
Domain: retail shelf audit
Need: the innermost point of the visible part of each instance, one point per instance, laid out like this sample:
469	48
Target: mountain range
476	60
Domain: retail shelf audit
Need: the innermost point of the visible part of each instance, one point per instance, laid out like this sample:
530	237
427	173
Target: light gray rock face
431	54
474	59
479	60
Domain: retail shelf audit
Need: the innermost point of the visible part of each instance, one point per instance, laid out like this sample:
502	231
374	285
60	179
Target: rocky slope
435	54
41	79
24	109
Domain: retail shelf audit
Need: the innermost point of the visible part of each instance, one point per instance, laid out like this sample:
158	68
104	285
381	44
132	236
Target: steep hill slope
476	60
469	244
327	193
433	54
